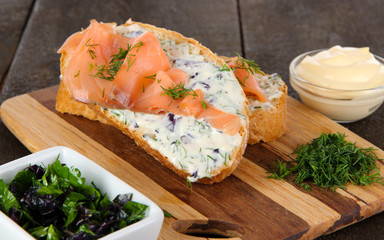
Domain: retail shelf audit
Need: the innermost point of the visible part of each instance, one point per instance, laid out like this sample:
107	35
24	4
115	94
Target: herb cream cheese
190	144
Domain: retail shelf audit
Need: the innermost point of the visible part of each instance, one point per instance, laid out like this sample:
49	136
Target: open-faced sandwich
267	97
167	92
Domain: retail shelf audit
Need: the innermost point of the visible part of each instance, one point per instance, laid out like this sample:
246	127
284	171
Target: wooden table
271	32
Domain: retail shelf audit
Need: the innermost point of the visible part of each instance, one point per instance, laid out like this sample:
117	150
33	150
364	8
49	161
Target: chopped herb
77	74
109	72
100	73
91	45
91	66
129	63
204	104
189	184
137	46
167	214
224	68
179	91
330	161
225	159
306	186
280	172
103	92
152	77
249	65
90	51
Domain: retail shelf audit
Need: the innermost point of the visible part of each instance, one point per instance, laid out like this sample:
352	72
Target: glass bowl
339	105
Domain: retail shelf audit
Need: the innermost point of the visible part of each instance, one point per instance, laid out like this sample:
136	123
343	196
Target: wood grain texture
275	32
259	205
36	64
13	17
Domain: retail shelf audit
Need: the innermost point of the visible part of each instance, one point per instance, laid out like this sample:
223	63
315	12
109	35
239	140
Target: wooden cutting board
247	204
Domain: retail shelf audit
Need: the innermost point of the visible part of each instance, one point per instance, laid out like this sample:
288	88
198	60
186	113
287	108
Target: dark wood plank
254	212
13	17
36	63
277	31
274	32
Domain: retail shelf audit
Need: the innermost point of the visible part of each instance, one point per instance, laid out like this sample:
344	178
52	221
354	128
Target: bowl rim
154	213
299	58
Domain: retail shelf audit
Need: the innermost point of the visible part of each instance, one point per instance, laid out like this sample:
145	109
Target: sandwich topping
165	89
272	86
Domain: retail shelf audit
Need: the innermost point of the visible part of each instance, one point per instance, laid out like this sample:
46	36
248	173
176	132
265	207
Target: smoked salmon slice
153	100
245	74
134	73
197	107
91	49
144	59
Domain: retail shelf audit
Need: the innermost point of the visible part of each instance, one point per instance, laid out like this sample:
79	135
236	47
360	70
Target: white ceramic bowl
147	228
339	105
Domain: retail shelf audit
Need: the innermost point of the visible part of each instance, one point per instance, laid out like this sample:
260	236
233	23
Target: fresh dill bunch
330	161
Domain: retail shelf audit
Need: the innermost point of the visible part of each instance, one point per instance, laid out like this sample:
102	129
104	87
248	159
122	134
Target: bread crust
65	104
267	124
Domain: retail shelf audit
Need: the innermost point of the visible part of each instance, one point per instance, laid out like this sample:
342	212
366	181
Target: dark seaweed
55	203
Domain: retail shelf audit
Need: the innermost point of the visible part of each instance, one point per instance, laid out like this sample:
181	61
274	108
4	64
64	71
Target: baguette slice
268	120
190	147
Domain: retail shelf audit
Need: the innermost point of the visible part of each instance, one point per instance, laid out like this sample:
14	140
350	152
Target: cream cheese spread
190	144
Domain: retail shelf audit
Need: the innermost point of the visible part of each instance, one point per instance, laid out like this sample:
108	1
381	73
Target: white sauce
187	142
342	68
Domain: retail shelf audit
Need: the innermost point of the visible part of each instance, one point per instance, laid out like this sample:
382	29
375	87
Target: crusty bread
65	104
267	121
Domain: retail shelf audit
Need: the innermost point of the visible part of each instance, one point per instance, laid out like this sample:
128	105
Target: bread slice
267	121
193	149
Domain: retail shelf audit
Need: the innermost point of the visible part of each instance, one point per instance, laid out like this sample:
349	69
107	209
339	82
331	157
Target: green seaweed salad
55	203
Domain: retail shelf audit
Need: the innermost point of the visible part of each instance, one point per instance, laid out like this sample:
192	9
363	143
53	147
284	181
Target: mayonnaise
342	68
344	83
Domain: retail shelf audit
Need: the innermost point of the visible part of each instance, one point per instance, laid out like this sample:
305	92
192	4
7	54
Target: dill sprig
109	72
90	51
152	77
178	91
249	65
130	48
204	104
330	161
224	68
